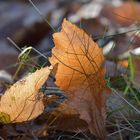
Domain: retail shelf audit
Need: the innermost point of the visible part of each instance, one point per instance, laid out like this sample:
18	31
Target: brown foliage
124	15
81	75
23	101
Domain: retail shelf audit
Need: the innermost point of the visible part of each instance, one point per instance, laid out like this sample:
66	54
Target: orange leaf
23	101
123	63
80	74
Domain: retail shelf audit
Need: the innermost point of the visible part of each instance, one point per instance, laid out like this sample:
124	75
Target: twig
120	134
14	44
115	92
42	16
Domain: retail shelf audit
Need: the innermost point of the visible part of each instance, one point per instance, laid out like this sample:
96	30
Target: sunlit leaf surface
80	74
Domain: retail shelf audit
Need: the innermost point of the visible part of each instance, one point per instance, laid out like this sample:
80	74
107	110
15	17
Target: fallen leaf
23	101
120	16
64	118
123	63
81	75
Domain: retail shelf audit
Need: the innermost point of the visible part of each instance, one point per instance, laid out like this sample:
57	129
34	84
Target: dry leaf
119	15
123	63
23	101
66	119
80	75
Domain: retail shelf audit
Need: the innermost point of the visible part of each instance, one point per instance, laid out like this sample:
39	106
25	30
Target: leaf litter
69	116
